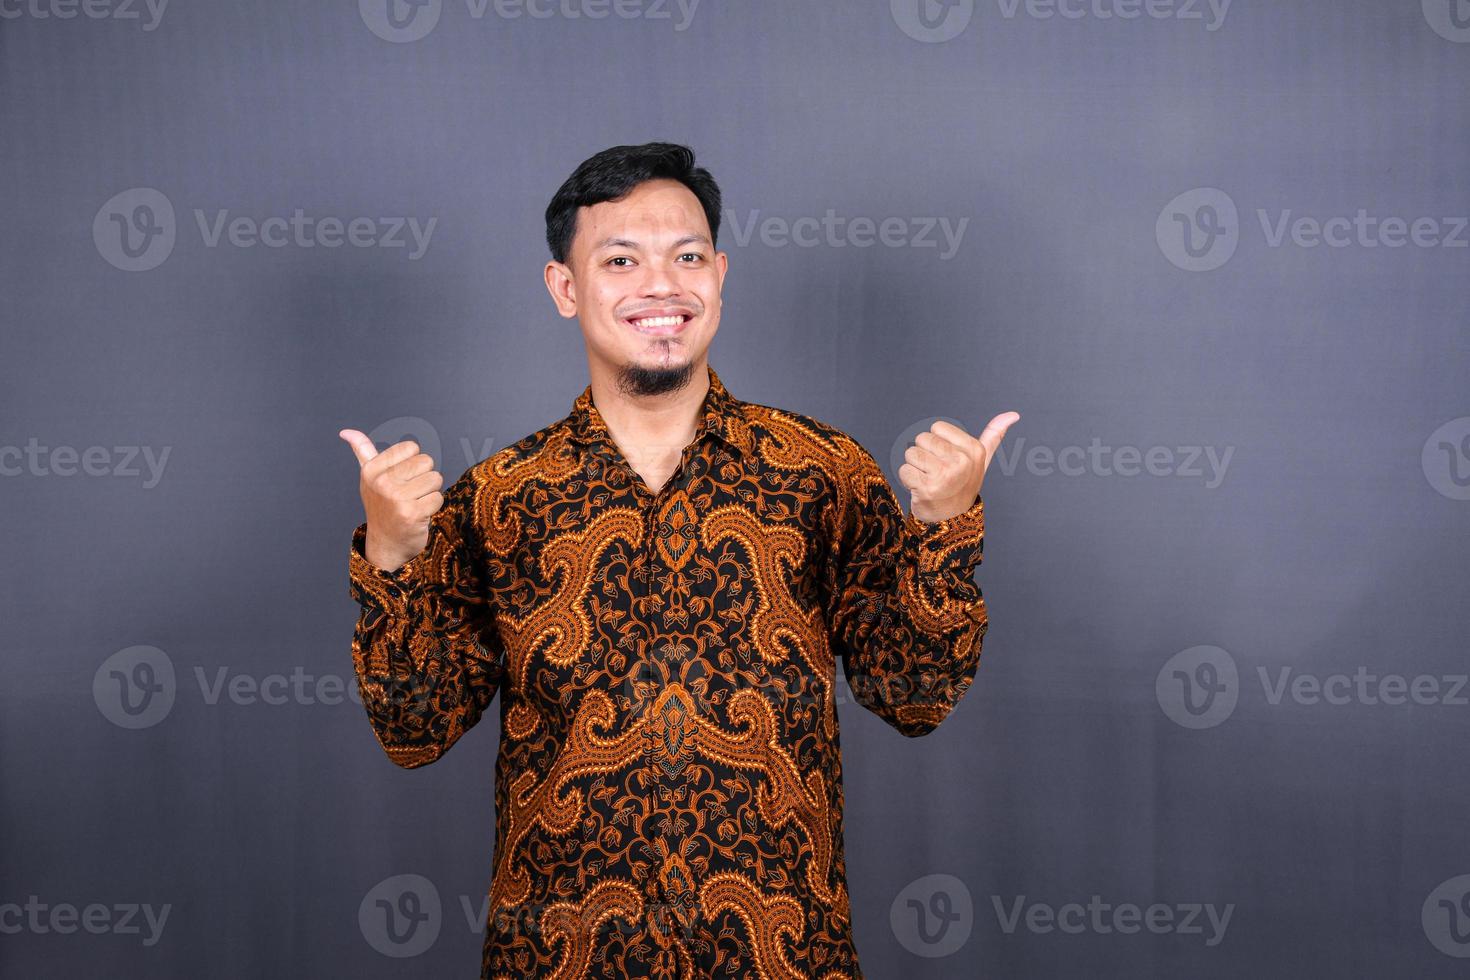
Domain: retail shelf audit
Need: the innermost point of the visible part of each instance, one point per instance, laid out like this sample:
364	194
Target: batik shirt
668	786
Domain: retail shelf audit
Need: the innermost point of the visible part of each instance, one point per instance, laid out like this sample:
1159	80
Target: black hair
611	174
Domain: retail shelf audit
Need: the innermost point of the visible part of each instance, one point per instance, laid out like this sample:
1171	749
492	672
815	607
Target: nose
658	280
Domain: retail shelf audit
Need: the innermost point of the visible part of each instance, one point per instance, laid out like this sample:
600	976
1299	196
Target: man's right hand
400	492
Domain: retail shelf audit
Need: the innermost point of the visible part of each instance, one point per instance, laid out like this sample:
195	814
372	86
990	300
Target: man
659	586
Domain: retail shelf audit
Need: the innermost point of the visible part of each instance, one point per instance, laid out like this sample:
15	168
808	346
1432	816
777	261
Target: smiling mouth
659	326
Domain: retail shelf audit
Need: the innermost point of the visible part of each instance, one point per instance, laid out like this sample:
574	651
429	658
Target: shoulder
852	484
794	438
492	495
538	457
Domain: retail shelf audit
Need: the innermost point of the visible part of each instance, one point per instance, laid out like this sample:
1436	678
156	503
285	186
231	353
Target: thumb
995	431
362	446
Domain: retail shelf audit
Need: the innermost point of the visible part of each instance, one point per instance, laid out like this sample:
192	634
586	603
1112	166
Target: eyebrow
629	243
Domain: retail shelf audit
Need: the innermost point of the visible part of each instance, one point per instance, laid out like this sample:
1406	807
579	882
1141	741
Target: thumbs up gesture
400	492
945	467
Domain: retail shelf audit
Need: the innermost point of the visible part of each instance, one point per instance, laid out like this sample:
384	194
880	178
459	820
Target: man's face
643	279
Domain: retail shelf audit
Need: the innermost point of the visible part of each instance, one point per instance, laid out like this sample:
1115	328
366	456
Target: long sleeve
903	608
426	652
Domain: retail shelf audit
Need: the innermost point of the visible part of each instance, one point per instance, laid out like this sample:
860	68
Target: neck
650	425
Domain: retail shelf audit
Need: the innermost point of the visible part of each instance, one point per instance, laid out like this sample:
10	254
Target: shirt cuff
954	544
377	588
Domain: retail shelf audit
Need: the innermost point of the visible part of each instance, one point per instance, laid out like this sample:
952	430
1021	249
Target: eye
696	256
619	258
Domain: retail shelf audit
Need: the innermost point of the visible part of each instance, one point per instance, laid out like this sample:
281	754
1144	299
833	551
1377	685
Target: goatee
635	379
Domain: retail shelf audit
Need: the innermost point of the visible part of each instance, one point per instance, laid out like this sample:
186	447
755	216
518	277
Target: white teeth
658	321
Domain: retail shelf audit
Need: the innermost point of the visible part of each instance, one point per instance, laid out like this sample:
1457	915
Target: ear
562	287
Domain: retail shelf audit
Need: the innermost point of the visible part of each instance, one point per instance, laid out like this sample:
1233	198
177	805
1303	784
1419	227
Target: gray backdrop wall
1215	254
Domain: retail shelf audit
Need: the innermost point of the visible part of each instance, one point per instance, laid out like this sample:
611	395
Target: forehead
653	213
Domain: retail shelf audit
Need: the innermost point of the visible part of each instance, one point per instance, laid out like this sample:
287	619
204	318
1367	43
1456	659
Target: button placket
671	873
650	675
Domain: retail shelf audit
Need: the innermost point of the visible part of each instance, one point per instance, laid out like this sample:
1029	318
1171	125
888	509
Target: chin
656	376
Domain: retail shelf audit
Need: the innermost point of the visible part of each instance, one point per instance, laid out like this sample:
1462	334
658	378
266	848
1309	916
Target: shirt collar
722	415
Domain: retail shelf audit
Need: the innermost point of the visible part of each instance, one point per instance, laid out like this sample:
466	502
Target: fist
945	467
400	493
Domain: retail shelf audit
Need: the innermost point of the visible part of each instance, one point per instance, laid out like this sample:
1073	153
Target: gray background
1334	376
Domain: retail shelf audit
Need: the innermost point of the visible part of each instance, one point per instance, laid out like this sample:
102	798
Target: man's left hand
945	467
